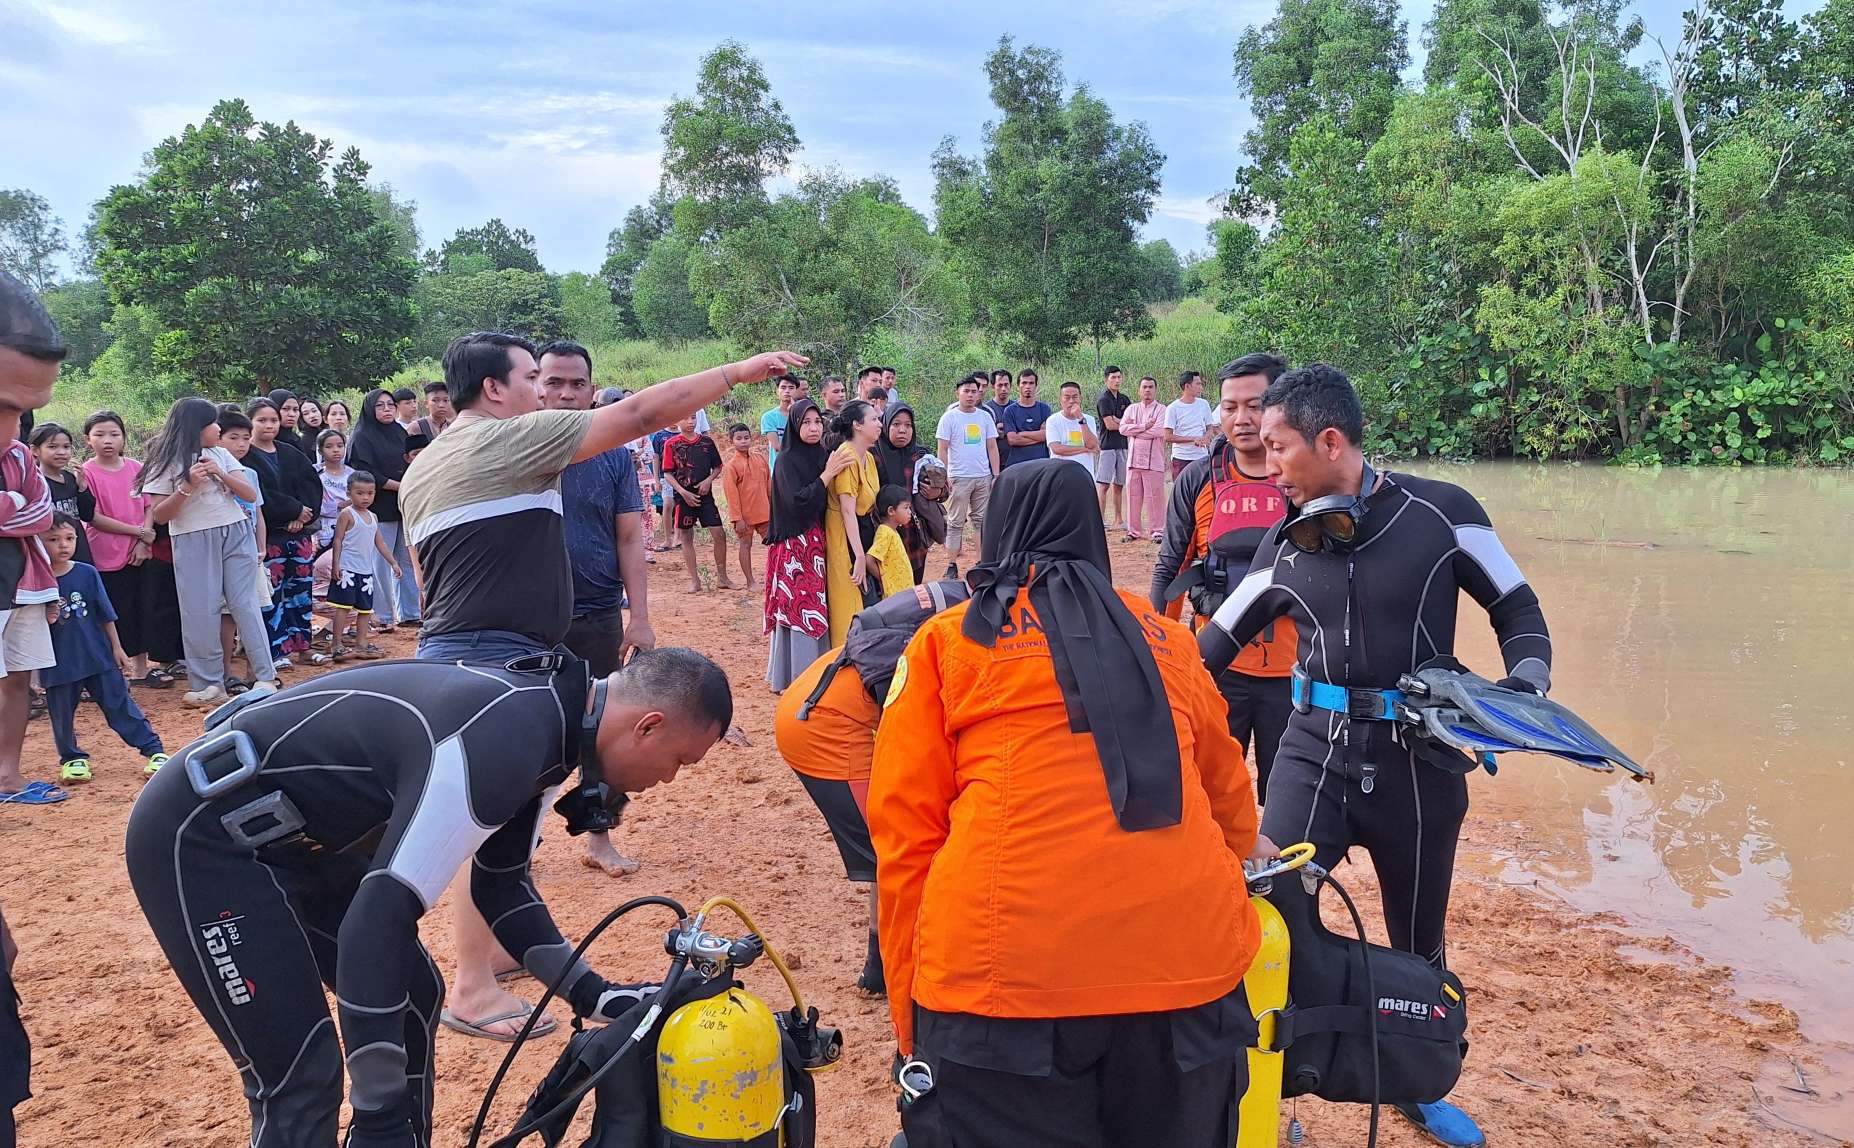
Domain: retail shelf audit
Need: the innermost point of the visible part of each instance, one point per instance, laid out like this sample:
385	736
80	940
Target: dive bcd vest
879	634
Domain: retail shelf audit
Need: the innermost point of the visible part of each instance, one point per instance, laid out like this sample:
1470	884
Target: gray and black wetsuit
399	772
1365	619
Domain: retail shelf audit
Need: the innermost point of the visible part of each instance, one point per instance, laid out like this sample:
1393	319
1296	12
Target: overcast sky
546	113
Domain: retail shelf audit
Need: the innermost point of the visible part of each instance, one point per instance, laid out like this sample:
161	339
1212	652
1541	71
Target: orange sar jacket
1007	887
835	740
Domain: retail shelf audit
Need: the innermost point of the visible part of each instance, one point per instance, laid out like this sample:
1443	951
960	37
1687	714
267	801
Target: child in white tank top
350	589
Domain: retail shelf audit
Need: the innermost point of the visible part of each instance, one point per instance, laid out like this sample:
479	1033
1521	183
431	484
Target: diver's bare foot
695	586
724	584
599	854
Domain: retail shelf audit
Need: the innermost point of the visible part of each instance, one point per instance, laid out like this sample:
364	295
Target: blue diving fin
1463	710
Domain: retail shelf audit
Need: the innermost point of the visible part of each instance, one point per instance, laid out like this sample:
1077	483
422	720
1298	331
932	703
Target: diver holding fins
1369	567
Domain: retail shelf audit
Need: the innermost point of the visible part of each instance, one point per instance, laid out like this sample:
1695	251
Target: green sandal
77	769
155	762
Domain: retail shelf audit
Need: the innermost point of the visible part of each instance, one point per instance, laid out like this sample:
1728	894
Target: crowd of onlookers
218	545
254	538
862	489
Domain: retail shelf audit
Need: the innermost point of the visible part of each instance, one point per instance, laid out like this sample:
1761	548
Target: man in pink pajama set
1144	426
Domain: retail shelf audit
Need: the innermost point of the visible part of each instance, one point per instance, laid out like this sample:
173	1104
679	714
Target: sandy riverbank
1584	1034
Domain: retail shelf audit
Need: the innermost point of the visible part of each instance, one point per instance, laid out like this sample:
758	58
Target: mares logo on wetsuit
220	936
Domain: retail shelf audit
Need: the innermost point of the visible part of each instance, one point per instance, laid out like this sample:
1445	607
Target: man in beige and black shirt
482	504
482	513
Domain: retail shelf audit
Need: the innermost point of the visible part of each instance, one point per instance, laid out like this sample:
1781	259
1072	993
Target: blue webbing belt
1371	705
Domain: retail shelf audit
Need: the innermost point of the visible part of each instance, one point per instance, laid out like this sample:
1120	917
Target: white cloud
1199	211
96	25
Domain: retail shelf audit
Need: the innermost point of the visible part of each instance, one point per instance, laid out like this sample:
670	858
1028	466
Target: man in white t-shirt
1071	431
968	439
1190	424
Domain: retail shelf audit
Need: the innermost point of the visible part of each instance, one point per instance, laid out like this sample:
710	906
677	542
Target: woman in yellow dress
852	494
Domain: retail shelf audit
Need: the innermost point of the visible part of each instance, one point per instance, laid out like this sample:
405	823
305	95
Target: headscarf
1043	530
376	443
288	436
797	490
894	463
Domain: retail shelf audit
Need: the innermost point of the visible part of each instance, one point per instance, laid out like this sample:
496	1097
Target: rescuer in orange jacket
1060	818
825	728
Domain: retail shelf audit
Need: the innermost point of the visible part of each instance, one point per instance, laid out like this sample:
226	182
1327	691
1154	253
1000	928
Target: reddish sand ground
1574	1043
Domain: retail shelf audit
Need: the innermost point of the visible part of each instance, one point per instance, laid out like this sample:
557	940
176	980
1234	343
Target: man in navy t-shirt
604	508
1023	421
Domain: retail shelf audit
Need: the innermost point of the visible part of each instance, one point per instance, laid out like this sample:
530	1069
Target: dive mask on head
1329	523
591	806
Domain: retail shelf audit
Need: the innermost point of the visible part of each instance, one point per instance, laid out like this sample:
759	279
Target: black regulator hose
669	982
1371	1006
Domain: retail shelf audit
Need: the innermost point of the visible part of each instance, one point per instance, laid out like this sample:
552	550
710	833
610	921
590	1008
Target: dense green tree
625	249
82	310
827	268
30	238
1744	51
722	144
1162	273
667	309
1043	224
265	264
1323	272
1824	173
1235	253
587	312
1464	36
471	295
506	248
1338	58
402	215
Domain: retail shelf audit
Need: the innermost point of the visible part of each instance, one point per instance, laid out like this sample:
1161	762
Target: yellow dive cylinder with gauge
721	1073
721	1059
1266	985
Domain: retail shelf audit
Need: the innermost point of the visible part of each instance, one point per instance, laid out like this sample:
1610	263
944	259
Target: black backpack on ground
1422	1015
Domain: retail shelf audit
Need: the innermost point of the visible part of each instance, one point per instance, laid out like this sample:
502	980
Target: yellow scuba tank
1266	984
721	1074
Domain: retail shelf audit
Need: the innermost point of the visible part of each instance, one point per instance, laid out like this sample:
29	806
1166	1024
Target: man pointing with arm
489	489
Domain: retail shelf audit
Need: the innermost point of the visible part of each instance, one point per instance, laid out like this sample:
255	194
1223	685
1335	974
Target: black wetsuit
399	771
1365	619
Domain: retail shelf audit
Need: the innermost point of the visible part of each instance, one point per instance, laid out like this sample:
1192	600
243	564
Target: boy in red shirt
746	483
691	464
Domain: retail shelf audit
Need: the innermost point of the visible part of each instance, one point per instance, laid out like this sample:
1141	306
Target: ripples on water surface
1704	620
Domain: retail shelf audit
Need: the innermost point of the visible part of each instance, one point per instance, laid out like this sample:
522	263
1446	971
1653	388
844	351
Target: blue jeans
394	599
119	710
491	647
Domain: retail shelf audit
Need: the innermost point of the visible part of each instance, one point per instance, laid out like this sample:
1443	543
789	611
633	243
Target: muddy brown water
1704	621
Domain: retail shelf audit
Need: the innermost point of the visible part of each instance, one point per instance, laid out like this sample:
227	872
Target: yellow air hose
772	954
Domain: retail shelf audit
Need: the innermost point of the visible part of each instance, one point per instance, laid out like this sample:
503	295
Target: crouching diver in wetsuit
1369	567
1061	818
299	841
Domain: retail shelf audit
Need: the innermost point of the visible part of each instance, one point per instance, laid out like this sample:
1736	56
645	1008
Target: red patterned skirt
795	585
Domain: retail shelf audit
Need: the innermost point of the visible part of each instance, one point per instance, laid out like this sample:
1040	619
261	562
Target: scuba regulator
590	806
